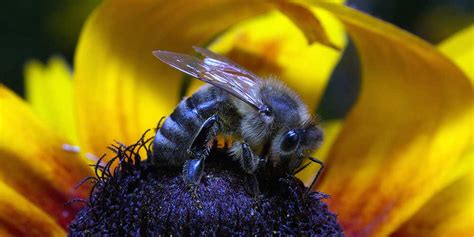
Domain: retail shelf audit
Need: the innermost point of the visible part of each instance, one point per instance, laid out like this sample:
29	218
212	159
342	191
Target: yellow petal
33	161
123	90
19	217
449	213
460	48
408	128
49	90
309	24
272	45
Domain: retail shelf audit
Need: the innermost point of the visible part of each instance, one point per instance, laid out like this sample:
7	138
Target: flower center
138	198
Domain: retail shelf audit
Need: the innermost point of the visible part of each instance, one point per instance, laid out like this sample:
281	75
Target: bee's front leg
199	150
250	162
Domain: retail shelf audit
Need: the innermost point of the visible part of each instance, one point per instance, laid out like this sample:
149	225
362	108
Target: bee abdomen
208	101
176	134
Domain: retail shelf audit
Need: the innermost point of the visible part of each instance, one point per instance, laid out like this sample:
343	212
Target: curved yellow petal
272	45
49	90
449	213
408	128
20	217
308	23
460	48
34	162
121	88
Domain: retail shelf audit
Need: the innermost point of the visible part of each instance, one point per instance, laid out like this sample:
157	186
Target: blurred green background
39	29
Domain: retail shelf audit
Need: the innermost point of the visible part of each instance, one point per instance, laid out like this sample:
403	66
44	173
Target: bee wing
224	63
217	71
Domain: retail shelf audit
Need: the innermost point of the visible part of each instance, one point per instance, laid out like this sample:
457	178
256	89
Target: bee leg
192	173
253	188
301	168
317	174
207	132
199	150
249	163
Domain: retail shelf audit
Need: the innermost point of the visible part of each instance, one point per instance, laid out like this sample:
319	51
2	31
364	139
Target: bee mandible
269	124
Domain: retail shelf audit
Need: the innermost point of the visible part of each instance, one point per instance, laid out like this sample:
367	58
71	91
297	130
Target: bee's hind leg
192	173
199	150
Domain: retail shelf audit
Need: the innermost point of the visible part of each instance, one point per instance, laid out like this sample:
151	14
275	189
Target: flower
400	163
138	198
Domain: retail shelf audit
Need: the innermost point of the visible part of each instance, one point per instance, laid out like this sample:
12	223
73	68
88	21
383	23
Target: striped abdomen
178	130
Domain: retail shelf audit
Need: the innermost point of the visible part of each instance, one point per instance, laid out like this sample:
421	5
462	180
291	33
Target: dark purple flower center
136	198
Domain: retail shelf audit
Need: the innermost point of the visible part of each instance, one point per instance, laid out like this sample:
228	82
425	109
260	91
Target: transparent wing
217	71
224	63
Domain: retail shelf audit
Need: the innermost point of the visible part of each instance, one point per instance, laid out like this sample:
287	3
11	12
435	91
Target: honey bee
269	124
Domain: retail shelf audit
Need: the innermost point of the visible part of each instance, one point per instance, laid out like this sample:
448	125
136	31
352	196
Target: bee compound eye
290	141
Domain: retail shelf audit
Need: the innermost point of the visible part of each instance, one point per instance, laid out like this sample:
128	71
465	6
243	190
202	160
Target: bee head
291	146
281	129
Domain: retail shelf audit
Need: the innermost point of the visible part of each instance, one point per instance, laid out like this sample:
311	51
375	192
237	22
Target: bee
269	124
